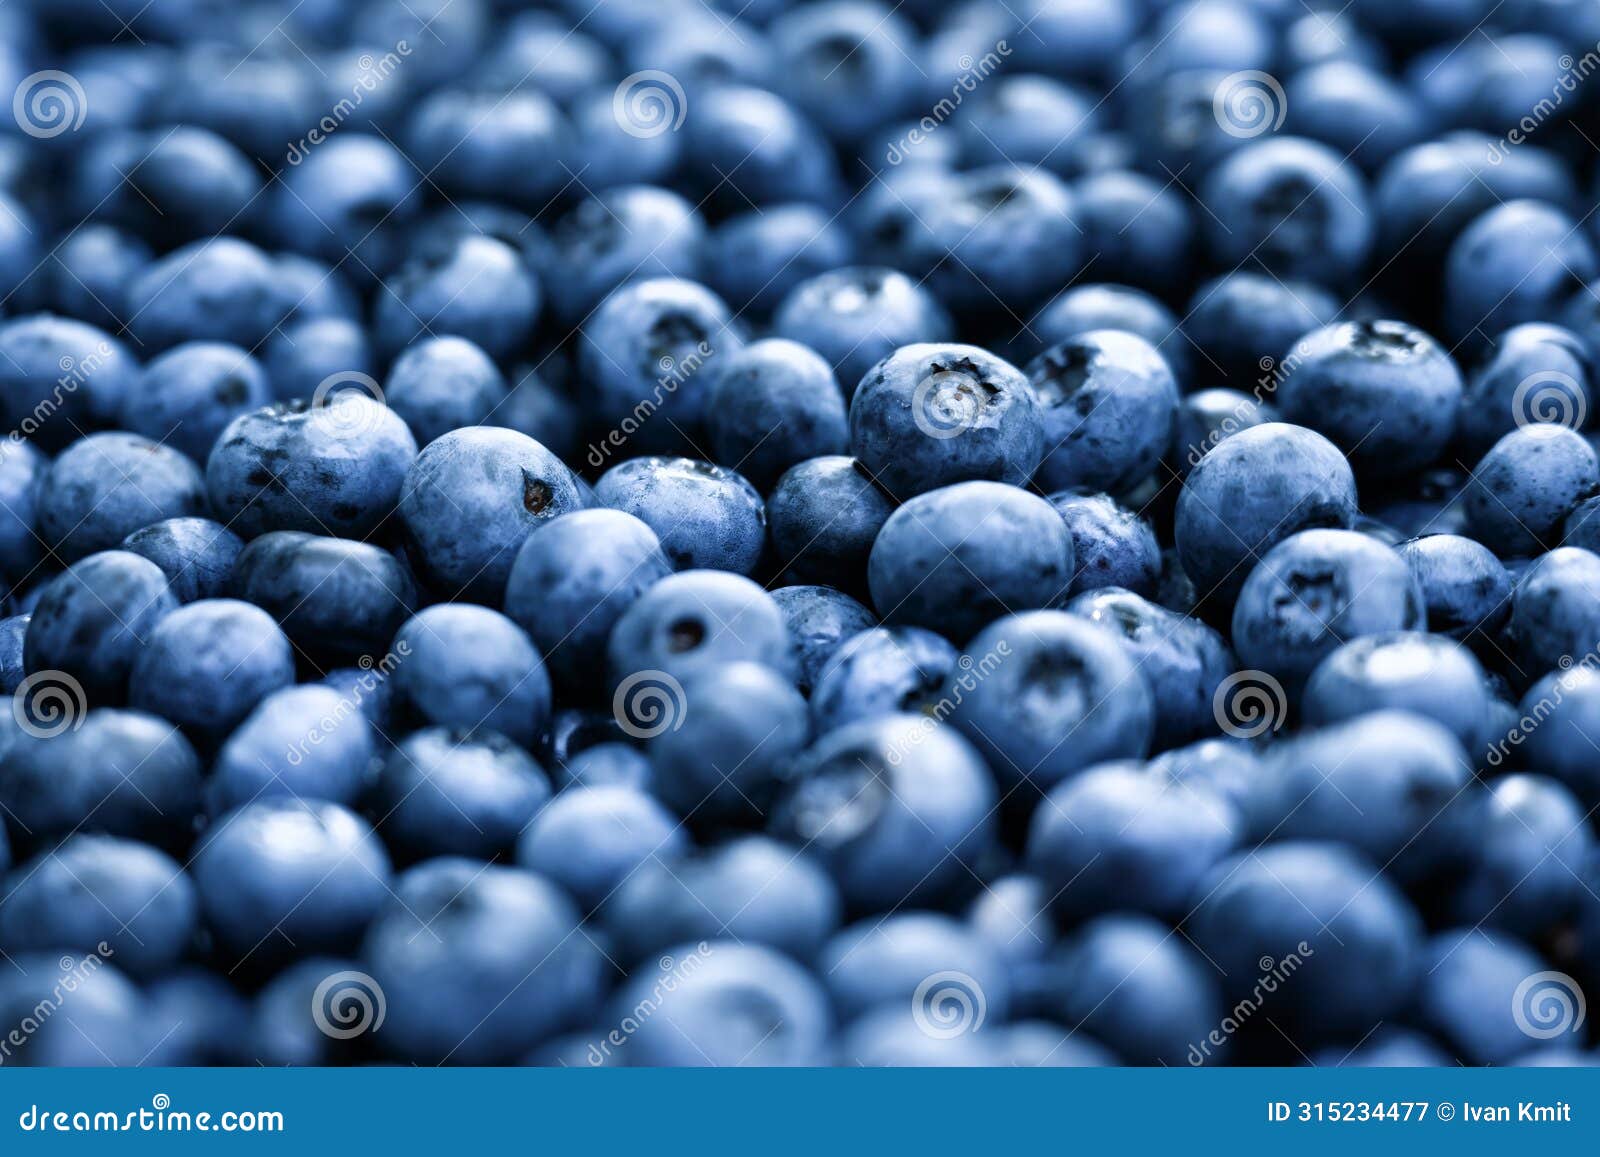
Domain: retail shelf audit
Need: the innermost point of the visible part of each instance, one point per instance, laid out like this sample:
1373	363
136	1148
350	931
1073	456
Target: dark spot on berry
685	634
536	494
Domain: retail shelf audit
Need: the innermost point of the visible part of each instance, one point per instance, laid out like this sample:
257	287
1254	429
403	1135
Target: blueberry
1519	262
719	752
219	289
94	890
755	259
59	376
110	1023
1536	373
204	1021
773	404
119	772
824	514
305	742
287	1019
1356	110
93	618
956	558
1182	660
22	469
855	317
741	1004
172	185
705	516
892	1037
572	580
87	275
332	465
196	554
751	888
1205	418
353	195
1524	488
285	878
848	63
1565	708
608	764
206	665
1290	206
471	287
448	793
820	620
1138	230
624	234
881	671
1477	998
1107	399
894	806
1382	391
1354	942
335	599
1554	615
1082	309
593	839
1430	676
478	144
1390	783
104	487
695	621
1524	875
472	497
1001	236
302	355
1115	837
441	384
1027	120
12	633
466	667
1251	492
1315	590
647	355
478	962
890	960
1466	590
753	149
1125	980
1244	323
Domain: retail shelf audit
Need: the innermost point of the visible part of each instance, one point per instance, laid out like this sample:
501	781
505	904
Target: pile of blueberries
745	532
